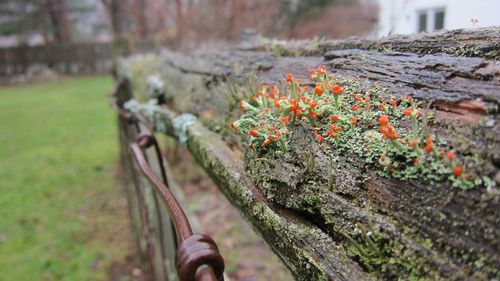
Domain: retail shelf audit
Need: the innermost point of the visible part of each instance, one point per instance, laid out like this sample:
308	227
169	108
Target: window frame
430	18
436	11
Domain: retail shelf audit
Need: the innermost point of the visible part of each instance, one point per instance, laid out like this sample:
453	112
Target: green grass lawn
60	218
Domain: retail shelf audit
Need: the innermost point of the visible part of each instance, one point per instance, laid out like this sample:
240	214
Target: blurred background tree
51	21
180	22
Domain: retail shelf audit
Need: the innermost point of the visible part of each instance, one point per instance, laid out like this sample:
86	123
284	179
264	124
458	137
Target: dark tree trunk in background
58	16
117	12
140	18
180	20
238	7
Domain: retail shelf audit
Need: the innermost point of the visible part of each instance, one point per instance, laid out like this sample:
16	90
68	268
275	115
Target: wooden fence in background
82	58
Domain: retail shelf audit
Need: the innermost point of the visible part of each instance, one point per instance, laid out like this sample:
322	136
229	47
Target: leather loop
145	140
196	251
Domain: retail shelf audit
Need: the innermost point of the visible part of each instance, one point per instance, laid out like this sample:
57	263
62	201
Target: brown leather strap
197	258
205	273
196	252
179	219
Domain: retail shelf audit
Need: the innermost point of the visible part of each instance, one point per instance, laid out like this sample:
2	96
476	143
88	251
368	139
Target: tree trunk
58	15
117	12
140	18
180	21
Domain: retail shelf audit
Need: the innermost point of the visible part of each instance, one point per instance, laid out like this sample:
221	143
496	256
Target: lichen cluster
391	136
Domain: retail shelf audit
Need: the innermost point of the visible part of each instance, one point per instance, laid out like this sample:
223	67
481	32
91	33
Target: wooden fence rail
82	58
342	220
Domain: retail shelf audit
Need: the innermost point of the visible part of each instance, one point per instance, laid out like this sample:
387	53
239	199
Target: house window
429	20
422	21
439	20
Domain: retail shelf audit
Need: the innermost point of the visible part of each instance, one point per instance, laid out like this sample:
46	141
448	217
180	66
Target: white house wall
400	16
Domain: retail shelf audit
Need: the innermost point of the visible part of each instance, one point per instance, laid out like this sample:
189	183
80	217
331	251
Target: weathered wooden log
462	42
483	43
360	225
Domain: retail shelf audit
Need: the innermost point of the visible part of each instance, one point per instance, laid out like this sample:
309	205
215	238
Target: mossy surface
421	229
348	208
289	183
302	181
333	187
283	236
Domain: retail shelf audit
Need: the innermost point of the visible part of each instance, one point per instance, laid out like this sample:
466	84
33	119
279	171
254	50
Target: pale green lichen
347	123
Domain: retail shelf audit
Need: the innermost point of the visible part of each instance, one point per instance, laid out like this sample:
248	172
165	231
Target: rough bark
58	15
463	42
141	23
483	42
405	229
117	10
